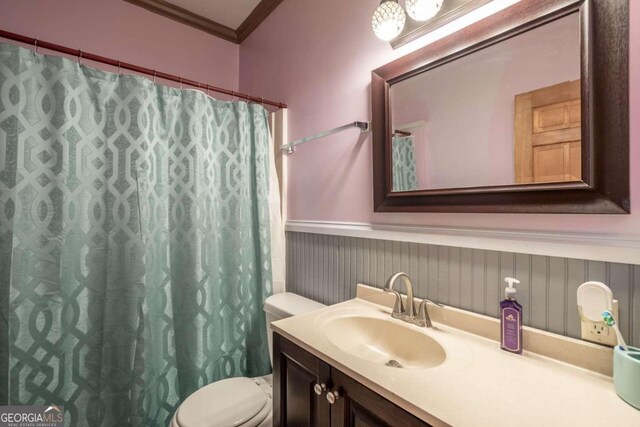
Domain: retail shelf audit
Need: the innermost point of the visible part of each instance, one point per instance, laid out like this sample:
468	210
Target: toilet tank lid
288	304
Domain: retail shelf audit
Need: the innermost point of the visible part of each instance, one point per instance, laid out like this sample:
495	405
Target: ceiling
232	20
226	12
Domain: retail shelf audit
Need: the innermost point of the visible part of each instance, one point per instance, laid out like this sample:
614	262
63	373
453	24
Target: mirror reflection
508	114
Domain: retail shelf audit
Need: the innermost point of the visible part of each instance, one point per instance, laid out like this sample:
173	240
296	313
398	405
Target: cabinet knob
319	389
332	396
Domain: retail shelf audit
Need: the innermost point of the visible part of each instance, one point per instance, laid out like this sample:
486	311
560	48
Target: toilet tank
287	304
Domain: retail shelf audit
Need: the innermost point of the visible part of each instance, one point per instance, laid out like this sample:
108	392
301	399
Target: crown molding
255	18
184	16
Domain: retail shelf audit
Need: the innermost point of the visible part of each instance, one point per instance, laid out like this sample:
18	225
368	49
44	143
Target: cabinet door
357	406
295	374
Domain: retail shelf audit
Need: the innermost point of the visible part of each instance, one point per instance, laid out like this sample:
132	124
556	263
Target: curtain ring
79	57
262	101
154	75
233	96
180	82
118	67
208	90
35	44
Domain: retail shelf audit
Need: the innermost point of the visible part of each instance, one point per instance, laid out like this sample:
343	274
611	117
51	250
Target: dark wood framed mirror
555	128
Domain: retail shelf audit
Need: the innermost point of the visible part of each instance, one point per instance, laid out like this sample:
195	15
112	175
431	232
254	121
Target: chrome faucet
408	313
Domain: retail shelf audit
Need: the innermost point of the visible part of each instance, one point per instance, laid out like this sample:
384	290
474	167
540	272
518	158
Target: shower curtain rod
135	68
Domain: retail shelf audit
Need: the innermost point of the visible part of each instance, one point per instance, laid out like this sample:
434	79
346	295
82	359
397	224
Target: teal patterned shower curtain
404	164
134	241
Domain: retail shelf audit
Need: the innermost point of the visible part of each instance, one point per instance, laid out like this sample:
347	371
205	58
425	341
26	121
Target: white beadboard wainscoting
326	267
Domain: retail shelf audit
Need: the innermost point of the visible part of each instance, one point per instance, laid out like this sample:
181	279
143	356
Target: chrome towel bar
363	126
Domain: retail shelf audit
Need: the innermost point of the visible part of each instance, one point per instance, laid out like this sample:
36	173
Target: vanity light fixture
422	10
388	20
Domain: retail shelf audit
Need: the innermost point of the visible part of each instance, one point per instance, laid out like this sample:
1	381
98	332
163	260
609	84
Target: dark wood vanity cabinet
360	406
296	401
295	375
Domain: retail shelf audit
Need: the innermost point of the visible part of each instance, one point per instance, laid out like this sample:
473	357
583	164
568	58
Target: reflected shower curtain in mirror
404	164
134	241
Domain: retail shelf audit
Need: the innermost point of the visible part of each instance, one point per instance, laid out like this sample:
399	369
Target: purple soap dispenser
510	319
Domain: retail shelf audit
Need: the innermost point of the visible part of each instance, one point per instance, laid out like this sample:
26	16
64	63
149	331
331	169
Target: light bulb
421	10
388	20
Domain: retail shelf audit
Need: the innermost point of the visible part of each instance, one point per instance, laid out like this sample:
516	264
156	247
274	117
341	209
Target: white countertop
478	385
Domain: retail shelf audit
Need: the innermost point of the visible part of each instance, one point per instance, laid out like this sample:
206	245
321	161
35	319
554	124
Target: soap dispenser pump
510	319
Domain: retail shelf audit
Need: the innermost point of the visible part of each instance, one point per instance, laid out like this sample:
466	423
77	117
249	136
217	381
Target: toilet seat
228	403
241	402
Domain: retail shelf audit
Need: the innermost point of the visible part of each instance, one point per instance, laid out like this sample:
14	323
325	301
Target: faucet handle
398	307
423	318
425	301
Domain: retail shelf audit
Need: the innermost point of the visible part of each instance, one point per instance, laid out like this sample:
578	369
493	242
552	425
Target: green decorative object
626	374
134	241
404	164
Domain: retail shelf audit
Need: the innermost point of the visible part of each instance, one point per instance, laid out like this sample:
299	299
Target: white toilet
244	402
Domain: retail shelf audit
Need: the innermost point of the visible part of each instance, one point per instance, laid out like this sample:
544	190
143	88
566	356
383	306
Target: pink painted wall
317	56
480	88
120	30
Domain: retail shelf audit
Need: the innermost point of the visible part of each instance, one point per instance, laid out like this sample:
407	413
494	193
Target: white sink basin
384	342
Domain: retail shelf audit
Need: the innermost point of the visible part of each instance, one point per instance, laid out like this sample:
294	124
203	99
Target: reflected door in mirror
548	134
